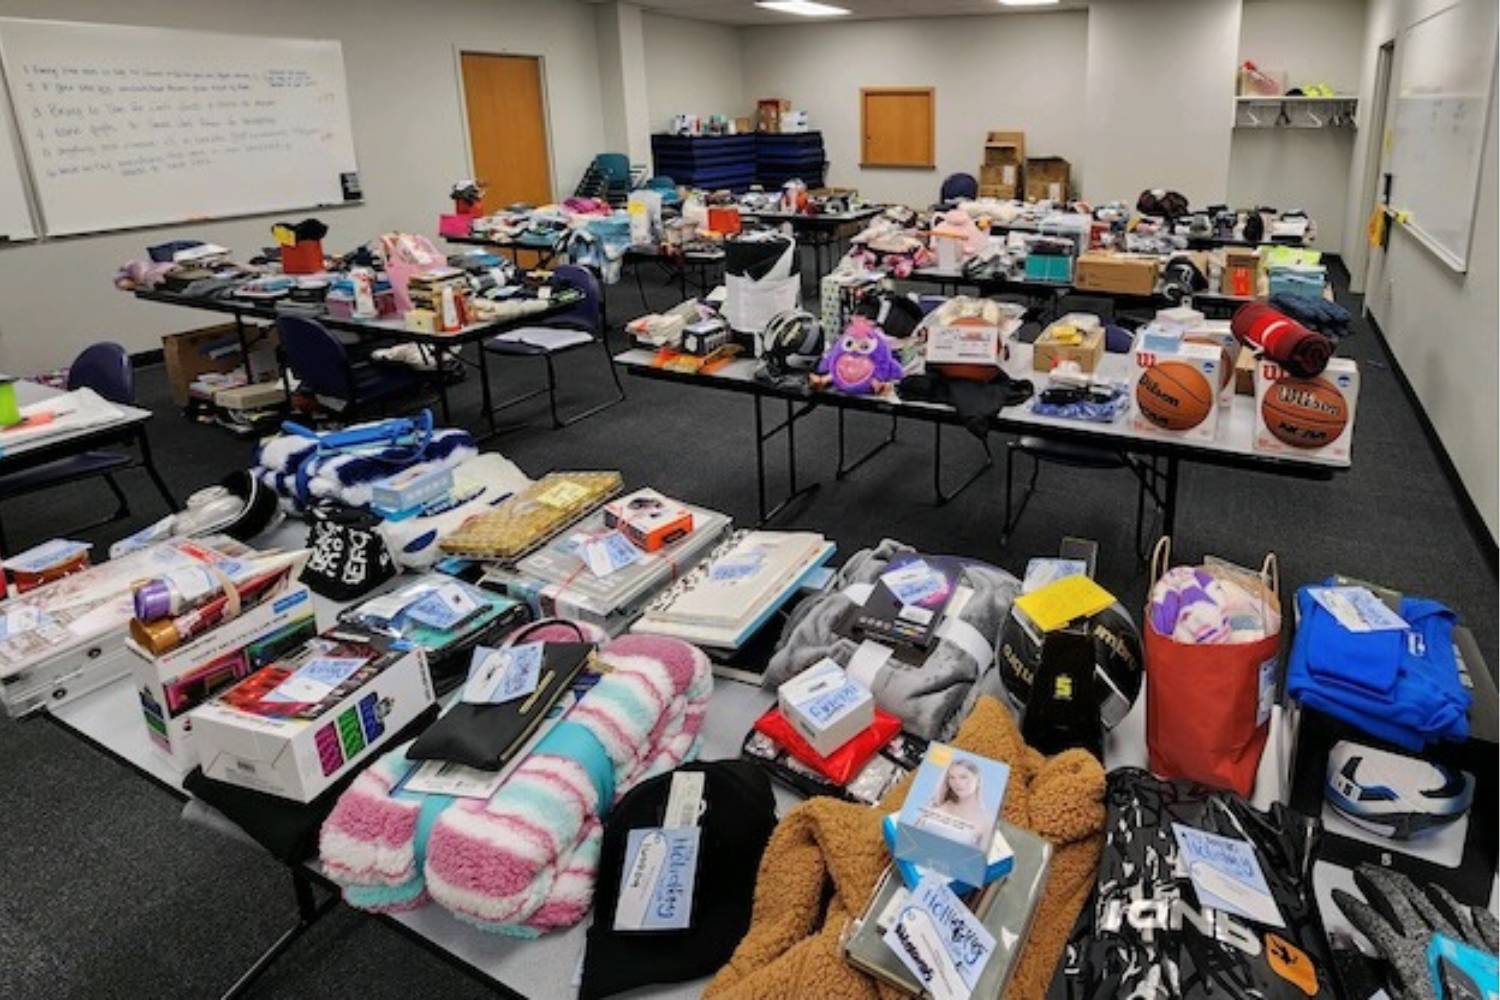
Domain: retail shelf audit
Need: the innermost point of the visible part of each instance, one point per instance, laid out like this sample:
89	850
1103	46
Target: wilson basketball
1305	412
1174	395
1226	363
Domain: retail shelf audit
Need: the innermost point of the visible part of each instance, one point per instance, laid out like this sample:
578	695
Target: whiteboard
15	216
126	126
1442	105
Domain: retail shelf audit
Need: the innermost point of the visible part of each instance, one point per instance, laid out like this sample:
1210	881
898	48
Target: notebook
1006	908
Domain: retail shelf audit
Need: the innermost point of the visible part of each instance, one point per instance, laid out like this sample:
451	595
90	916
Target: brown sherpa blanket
826	856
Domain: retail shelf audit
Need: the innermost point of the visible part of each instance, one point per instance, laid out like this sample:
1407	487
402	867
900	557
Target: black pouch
349	558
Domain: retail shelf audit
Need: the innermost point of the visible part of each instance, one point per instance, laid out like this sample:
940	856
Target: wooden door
507	128
897	126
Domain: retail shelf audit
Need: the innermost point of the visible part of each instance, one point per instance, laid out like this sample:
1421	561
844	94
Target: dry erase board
126	126
1437	137
15	216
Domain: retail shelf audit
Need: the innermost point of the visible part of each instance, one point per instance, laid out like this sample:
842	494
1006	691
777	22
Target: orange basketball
1226	363
1174	395
1305	412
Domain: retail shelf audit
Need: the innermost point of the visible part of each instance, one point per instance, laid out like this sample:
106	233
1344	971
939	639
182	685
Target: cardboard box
1127	274
1050	349
211	349
1163	387
968	340
259	396
948	820
172	685
1324	428
297	726
1241	272
1217	334
825	707
1000	175
1046	178
1244	371
768	113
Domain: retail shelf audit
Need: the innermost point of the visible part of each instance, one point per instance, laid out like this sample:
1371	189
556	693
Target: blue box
948	820
407	490
1000	861
1049	267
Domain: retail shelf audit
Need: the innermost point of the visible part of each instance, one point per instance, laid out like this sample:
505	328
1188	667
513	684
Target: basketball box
1176	392
170	686
1307	417
298	725
1216	333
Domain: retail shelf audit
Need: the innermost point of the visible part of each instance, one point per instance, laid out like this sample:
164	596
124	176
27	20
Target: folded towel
523	861
346	476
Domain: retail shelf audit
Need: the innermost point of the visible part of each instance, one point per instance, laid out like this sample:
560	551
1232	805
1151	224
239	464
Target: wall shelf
1295	112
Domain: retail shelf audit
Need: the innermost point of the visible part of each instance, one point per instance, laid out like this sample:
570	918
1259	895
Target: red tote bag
1208	706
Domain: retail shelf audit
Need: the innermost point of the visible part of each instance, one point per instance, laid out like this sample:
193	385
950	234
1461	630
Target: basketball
1226	363
1305	412
1174	395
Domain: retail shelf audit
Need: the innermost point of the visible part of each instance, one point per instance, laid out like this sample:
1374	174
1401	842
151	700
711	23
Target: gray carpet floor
109	894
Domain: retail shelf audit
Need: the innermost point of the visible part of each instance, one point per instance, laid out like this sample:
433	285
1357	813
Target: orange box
724	220
303	257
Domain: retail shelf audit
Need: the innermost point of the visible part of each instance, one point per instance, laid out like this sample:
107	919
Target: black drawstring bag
349	558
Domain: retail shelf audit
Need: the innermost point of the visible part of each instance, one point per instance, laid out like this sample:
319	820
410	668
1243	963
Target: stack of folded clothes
1398	684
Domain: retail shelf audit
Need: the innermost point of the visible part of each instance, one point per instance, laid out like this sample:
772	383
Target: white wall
693	68
1441	325
1300	168
1160	97
999	72
56	297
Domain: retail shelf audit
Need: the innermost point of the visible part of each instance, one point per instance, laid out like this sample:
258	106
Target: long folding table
1231	447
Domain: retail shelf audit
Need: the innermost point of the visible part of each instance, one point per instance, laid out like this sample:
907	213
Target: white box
296	750
825	707
172	685
77	642
1184	316
1164	387
1216	333
1341	377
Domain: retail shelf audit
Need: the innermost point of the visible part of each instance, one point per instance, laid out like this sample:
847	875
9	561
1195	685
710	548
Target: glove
1328	318
1400	920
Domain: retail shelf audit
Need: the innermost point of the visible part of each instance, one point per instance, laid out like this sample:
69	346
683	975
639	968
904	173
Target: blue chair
956	186
324	367
104	368
615	169
575	328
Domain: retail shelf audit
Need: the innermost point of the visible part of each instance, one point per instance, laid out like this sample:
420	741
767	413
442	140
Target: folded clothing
825	858
1406	690
523	861
930	699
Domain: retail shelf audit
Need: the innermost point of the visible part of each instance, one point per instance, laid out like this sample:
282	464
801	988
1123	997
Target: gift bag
406	255
1208	705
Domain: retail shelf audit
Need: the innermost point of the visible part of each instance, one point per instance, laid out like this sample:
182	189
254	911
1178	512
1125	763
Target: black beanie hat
738	816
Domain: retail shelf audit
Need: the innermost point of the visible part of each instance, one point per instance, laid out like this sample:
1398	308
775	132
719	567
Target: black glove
1400	919
1315	313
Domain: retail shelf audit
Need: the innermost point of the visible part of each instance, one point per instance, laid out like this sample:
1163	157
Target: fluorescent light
802	8
1027	3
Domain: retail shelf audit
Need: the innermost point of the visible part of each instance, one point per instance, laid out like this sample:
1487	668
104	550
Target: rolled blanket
347	475
1277	336
523	861
933	697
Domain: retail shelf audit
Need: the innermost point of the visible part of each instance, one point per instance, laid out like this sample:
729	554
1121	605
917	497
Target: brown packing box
1244	372
1004	160
1129	274
768	113
1047	354
1237	260
1046	177
211	349
743	125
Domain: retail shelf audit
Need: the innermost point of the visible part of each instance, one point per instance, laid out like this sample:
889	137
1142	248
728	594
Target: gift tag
913	582
1357	609
738	564
563	494
656	886
23	619
916	940
497	676
443	607
316	679
1226	875
968	942
612	551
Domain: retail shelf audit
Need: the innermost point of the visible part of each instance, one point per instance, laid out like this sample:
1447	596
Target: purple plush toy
859	363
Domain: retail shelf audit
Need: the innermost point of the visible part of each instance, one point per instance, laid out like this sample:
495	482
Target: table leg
149	464
239	332
309	910
760	459
843	469
485	395
439	355
682	278
941	495
1169	504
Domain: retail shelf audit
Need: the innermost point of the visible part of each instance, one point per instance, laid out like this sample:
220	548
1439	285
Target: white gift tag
656	886
316	679
609	552
1357	609
1226	875
500	675
914	939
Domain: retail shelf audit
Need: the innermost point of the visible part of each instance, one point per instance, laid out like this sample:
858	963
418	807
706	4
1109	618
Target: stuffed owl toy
860	361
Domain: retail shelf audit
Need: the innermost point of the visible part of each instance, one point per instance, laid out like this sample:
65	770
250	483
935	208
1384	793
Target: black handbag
349	557
489	736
